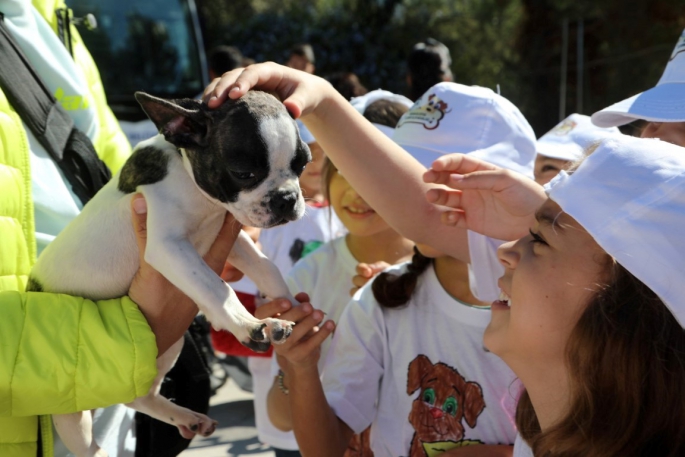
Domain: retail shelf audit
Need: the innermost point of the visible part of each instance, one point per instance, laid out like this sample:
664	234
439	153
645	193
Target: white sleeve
353	369
521	448
302	276
485	268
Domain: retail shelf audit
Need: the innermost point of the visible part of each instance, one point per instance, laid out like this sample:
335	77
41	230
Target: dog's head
247	154
444	400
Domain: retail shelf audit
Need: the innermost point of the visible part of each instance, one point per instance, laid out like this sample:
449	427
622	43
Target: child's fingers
360	280
297	313
460	164
453	219
300	331
313	342
363	269
273	308
444	197
139	220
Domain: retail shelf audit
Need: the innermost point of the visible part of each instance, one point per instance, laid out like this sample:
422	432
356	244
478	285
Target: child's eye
536	238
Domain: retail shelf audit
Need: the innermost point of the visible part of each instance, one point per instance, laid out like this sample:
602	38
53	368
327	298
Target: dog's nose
283	204
436	413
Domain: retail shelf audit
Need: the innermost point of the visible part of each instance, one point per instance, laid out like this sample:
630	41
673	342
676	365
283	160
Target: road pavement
236	434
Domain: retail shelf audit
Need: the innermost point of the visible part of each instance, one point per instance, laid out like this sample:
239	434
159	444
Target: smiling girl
591	313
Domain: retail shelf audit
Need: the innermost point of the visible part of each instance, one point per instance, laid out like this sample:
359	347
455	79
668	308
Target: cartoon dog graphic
436	414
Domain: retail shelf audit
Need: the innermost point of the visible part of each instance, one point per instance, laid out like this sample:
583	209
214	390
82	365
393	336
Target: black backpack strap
48	121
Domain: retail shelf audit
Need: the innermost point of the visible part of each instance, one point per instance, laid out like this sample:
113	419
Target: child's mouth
503	300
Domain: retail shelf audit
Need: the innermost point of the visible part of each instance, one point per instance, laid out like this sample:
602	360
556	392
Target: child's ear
418	368
183	126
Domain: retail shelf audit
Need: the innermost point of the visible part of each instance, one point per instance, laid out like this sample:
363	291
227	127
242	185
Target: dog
436	414
244	157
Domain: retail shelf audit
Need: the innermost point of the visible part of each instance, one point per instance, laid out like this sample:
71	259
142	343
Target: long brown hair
626	360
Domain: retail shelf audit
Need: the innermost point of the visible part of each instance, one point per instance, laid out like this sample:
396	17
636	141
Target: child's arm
385	175
317	428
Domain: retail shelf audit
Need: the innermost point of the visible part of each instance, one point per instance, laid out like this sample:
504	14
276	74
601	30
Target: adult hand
169	311
300	91
366	272
230	273
486	199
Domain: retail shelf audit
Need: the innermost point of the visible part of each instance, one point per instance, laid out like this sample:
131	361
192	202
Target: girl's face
549	279
310	180
357	216
671	132
547	168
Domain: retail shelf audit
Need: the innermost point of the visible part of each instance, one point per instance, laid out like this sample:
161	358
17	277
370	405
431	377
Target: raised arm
385	175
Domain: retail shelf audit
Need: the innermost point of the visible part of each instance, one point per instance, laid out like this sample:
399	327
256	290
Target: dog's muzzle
284	206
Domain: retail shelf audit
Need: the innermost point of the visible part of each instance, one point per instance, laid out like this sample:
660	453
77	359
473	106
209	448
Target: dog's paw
257	346
279	330
193	423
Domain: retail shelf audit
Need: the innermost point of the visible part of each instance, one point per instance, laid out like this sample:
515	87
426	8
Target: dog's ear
474	404
418	368
183	126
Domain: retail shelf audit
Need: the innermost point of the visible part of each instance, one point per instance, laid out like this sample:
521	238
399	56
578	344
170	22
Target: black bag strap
52	126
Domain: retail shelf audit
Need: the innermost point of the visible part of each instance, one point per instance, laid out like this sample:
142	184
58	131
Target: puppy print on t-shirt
436	414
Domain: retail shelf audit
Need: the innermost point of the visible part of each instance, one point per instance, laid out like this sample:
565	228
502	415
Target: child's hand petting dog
156	297
302	349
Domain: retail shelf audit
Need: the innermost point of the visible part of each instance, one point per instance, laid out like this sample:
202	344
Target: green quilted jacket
58	354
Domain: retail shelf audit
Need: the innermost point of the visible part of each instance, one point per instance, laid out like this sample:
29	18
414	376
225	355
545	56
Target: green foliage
513	44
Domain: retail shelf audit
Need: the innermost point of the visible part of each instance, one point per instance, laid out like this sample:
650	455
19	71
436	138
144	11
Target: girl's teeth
503	297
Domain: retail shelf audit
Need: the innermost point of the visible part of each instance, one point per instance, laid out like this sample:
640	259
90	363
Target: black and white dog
245	158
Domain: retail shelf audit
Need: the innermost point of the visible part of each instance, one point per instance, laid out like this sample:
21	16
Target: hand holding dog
489	200
157	298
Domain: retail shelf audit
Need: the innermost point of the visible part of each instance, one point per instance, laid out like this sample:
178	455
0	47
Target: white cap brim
424	155
571	152
663	103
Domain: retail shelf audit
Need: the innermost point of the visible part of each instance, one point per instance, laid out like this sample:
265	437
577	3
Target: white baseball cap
663	103
473	120
629	194
305	134
569	139
362	102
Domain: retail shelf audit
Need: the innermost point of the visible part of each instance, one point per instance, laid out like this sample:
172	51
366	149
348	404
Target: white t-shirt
326	275
285	245
521	449
420	366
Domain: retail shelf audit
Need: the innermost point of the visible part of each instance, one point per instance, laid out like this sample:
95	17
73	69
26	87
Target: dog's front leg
246	257
170	252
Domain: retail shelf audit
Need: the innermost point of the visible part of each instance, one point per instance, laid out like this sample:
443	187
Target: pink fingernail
140	206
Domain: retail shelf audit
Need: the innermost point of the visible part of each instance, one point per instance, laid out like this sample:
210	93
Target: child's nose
508	254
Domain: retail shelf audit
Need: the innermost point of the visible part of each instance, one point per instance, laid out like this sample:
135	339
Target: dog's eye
241	175
429	396
450	406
